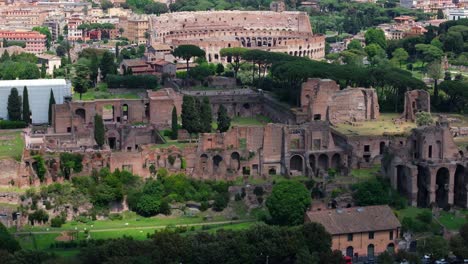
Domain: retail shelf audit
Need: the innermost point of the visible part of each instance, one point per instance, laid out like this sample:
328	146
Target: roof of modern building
31	83
355	219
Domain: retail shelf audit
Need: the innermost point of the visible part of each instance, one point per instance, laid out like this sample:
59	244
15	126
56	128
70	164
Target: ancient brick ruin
323	100
416	101
428	168
425	165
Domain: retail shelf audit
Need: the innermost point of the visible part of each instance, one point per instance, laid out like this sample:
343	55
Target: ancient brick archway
296	163
217	162
235	161
81	113
323	162
423	181
402	181
459	198
336	161
442	189
312	162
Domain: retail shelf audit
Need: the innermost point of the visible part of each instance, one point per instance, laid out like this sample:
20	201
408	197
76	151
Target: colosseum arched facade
286	32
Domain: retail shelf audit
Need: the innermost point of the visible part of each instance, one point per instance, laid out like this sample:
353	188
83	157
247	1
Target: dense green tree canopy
288	202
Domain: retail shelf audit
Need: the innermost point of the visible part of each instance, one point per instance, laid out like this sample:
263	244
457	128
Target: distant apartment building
55	25
455	14
22	18
35	42
404	26
427	5
74	33
135	28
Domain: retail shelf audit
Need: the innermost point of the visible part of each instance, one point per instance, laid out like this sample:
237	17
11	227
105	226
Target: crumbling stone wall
416	101
429	169
322	99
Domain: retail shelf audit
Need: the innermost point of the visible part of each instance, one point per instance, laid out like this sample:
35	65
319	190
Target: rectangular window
430	151
350	237
391	235
366	148
371	235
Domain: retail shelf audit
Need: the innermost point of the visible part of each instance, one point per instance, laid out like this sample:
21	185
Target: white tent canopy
39	95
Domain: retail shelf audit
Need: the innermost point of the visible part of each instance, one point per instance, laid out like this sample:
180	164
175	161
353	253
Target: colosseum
287	32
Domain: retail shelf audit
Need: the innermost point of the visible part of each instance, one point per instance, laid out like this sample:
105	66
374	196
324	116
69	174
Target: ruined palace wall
294	21
353	104
316	95
273	143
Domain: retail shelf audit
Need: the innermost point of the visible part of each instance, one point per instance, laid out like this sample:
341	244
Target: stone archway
125	112
296	163
459	197
323	162
423	181
235	161
217	162
442	182
350	251
81	113
312	162
402	181
336	161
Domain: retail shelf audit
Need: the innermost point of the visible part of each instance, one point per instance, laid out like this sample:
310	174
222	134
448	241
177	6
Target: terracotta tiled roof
134	62
356	219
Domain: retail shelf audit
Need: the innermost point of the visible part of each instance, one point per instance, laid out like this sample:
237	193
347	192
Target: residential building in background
35	42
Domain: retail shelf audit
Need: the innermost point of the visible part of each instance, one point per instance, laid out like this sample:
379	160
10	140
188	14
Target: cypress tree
43	70
190	117
99	130
14	105
94	69
51	102
117	50
206	117
26	110
175	126
107	64
5	56
224	121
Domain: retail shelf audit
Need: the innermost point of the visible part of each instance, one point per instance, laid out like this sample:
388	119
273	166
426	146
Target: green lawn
410	212
384	125
365	173
452	222
127	223
92	95
11	144
258	120
44	241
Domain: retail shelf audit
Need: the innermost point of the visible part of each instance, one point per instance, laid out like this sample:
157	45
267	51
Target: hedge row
7	124
132	81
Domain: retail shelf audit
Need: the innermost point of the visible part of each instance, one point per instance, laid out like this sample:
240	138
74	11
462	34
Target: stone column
451	185
413	171
432	185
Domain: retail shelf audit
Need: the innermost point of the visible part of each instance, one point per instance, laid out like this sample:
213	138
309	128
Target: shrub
40	167
258	191
57	221
132	81
204	206
115	217
7	124
220	202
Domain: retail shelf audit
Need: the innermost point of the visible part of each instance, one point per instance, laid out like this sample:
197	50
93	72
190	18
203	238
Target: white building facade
455	14
39	96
